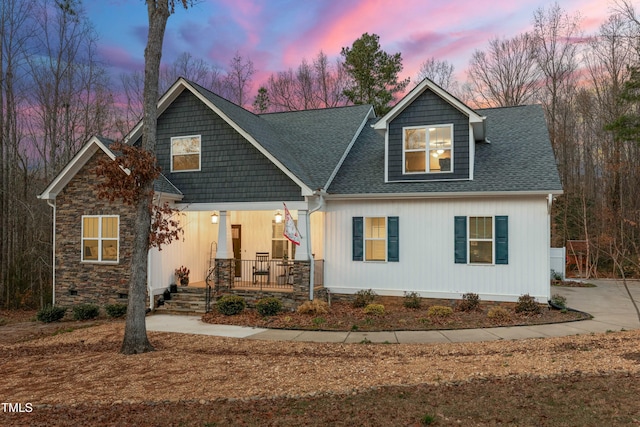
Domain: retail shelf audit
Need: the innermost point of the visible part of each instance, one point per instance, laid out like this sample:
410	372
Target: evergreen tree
374	73
627	126
261	101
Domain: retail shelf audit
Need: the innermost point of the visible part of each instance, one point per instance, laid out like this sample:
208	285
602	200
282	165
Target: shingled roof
518	158
309	143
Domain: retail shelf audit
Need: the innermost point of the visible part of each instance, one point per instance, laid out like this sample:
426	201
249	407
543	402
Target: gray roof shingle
518	158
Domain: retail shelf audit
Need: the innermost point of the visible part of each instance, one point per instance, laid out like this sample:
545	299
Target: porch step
186	300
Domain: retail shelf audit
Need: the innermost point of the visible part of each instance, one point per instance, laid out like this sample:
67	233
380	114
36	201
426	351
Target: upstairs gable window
185	153
427	149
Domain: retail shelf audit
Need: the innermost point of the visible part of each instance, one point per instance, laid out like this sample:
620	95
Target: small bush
85	311
412	300
363	298
555	275
314	307
527	304
499	314
51	314
374	309
428	419
439	311
231	304
469	302
559	300
116	310
269	306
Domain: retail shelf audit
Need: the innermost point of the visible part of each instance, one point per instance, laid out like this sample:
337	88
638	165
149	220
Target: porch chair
261	266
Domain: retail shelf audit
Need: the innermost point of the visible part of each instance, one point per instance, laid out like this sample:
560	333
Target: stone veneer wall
80	282
290	299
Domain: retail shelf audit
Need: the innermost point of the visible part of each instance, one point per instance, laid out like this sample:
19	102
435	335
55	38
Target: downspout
149	289
312	266
52	203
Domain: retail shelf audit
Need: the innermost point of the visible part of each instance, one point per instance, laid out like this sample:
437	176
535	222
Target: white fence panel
557	261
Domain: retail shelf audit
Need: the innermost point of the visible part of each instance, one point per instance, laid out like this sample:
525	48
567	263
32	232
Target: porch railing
256	274
271	274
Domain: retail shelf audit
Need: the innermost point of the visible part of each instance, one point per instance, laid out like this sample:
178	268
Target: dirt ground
77	377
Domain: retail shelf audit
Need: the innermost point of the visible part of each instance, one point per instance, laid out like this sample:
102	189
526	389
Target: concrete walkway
608	303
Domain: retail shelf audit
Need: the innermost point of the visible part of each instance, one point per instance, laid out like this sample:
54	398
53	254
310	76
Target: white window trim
100	240
492	240
365	239
199	153
425	150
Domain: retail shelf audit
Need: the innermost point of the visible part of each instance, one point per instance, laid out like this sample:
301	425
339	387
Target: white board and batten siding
426	246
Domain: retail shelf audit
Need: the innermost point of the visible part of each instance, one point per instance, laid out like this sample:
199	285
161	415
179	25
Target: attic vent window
185	153
427	149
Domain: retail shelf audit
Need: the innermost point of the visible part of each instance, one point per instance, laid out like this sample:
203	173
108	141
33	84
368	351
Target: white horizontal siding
427	250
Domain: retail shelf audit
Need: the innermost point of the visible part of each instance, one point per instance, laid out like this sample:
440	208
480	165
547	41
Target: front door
237	253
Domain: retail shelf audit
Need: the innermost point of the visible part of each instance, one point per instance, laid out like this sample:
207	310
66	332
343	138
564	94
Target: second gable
429	140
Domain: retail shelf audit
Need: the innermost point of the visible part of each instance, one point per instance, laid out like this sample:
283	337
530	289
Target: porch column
225	244
302	251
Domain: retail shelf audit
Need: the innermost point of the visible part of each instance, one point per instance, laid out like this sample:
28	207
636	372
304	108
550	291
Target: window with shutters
481	240
375	239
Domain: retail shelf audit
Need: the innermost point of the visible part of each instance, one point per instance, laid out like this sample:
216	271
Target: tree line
56	93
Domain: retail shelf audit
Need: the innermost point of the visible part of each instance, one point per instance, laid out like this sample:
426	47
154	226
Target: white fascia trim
73	167
243	206
177	89
370	114
417	91
443	195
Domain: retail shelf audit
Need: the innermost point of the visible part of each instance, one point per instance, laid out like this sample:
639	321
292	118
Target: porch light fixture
278	217
214	218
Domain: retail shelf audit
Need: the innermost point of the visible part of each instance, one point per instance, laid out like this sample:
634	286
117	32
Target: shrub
469	302
527	304
314	307
85	311
269	306
559	300
116	310
439	311
3	321
499	314
412	300
555	275
363	298
51	314
231	304
374	309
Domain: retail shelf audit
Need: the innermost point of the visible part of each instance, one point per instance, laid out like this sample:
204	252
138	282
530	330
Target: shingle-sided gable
232	170
429	109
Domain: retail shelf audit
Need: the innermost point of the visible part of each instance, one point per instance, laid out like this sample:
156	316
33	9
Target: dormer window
185	153
427	149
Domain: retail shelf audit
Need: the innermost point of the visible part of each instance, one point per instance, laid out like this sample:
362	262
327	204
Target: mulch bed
344	317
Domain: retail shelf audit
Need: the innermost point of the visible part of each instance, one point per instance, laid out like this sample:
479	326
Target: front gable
442	147
230	168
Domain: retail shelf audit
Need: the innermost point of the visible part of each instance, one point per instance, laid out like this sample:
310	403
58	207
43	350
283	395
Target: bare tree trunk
135	334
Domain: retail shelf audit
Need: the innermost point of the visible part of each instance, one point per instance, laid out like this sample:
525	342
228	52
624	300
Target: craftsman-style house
434	198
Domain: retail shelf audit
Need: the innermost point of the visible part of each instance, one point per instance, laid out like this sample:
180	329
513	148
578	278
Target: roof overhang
74	166
177	88
476	121
444	195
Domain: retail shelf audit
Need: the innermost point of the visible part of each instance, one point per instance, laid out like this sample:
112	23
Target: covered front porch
241	247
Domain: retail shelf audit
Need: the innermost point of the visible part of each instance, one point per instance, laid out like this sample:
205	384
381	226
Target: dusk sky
278	34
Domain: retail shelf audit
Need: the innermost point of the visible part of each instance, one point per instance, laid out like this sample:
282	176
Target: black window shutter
502	240
358	238
393	239
460	242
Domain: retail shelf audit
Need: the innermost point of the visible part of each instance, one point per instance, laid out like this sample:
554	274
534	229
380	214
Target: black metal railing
258	274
